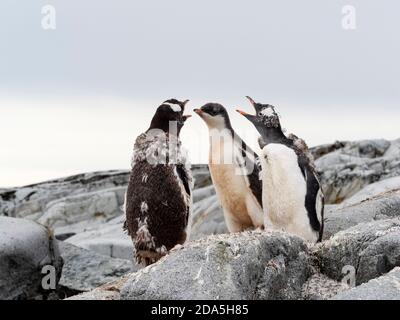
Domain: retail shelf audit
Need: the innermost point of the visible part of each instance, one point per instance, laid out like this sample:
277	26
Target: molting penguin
292	196
158	201
234	169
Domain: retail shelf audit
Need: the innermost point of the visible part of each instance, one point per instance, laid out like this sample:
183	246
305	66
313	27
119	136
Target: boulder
34	201
108	291
85	270
321	150
26	247
371	249
248	265
379	207
201	175
386	287
98	205
108	239
320	287
348	169
208	218
373	190
203	193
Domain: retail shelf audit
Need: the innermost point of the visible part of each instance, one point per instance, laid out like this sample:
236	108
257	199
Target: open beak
249	116
242	112
253	103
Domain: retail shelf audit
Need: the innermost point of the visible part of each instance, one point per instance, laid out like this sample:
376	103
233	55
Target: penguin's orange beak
242	112
248	116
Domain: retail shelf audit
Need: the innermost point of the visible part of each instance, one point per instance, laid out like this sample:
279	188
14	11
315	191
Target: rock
380	207
347	170
324	149
248	265
203	193
108	239
108	291
85	270
208	218
35	200
386	287
373	190
201	175
372	249
25	248
320	287
98	205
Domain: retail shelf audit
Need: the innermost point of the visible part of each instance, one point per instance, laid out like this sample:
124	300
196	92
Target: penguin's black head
214	115
265	117
169	115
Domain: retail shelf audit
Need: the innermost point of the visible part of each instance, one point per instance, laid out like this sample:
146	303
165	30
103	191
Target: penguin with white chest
234	170
158	200
292	196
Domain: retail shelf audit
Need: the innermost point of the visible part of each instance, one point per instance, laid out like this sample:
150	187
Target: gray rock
203	193
108	239
321	150
34	200
380	207
25	248
320	287
248	265
201	175
108	291
347	170
208	218
85	270
386	287
98	205
372	249
373	190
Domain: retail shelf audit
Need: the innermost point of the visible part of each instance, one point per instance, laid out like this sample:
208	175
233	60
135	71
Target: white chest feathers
284	192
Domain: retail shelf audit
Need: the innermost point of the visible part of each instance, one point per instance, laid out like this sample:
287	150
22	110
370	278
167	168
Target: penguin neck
221	132
158	125
273	135
166	127
162	134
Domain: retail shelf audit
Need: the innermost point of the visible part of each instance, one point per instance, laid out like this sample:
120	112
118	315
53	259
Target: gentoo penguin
158	201
234	169
292	196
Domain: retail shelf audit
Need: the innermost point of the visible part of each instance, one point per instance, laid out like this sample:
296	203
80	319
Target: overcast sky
74	99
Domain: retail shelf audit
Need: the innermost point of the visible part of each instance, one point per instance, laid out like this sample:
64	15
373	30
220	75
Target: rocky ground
75	225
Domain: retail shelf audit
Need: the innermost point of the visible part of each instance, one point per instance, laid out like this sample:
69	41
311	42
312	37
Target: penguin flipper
314	200
183	176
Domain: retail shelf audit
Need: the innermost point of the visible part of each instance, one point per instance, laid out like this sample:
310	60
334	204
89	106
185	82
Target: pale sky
74	99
